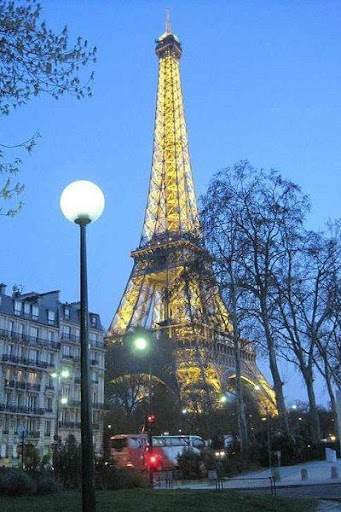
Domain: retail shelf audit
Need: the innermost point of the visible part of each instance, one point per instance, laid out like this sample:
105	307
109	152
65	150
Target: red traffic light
154	461
151	419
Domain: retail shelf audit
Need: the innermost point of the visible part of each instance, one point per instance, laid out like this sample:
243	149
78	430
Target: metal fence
169	480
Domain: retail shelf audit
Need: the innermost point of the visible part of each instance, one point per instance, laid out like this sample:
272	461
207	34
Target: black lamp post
82	202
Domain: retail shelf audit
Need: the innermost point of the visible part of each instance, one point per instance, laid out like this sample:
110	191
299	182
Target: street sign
21	432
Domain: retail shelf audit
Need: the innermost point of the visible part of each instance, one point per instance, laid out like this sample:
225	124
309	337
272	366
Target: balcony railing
22	385
70	337
70	356
76	339
75	425
97	344
26	361
33	433
29	340
22	409
69	424
77	403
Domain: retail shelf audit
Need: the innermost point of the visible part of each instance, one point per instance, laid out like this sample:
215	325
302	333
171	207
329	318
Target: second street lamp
63	374
82	202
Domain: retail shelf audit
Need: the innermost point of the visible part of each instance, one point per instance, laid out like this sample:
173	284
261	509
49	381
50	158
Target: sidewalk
319	473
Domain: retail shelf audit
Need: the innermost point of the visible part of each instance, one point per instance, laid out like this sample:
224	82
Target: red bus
130	450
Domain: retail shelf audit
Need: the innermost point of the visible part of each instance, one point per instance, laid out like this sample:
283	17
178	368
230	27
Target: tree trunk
313	412
278	387
242	425
278	384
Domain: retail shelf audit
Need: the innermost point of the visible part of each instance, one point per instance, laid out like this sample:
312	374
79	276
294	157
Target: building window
48	404
50	335
93	321
67	313
17	307
66	351
11	327
32	402
51	316
34	332
34	356
20	330
35	312
11	350
47	428
66	332
27	308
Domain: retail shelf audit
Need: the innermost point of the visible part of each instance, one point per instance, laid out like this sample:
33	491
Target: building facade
40	371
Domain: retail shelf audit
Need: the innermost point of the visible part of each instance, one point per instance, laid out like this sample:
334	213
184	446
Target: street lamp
142	344
62	374
82	202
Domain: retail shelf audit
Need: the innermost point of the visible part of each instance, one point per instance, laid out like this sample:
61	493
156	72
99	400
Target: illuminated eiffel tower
171	290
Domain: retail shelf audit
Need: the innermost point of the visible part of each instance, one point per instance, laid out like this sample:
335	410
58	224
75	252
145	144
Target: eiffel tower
171	290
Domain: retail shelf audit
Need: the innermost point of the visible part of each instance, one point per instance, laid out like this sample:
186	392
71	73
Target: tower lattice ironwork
171	289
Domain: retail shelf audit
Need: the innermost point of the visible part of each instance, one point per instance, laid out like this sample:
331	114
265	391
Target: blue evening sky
261	80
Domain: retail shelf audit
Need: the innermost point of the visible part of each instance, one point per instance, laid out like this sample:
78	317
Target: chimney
2	288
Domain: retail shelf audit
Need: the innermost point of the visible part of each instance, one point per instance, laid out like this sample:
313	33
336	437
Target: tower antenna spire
168	21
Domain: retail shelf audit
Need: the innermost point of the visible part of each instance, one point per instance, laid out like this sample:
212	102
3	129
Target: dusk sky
261	80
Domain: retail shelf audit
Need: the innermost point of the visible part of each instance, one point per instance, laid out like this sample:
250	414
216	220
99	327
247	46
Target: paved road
329	506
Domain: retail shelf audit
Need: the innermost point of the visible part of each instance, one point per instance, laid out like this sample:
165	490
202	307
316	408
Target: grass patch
144	500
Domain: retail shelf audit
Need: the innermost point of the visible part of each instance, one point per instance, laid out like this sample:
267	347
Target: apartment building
40	371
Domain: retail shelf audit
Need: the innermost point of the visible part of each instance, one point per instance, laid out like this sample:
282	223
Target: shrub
191	464
31	457
45	482
67	464
16	482
109	477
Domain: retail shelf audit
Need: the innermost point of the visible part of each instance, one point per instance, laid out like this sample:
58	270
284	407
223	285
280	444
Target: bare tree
302	309
223	244
258	207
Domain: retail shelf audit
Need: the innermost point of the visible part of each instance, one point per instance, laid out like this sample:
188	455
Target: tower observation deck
171	291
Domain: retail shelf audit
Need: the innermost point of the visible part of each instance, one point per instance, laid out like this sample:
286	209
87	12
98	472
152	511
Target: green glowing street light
140	343
59	375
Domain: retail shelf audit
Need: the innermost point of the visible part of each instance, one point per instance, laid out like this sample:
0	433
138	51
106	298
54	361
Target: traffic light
151	419
153	461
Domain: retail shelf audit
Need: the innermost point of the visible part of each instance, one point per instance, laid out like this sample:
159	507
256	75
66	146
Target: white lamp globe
141	343
82	200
